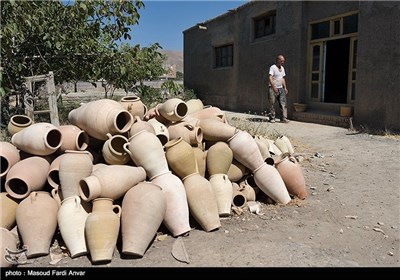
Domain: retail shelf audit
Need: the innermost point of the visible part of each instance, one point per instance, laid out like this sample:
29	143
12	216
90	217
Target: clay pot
214	130
219	158
102	228
8	206
18	123
73	138
270	182
36	218
174	109
41	139
176	217
9	155
113	150
180	157
74	166
71	222
191	134
147	151
111	181
202	202
194	105
292	174
245	150
222	188
20	183
238	199
134	106
100	117
209	112
143	210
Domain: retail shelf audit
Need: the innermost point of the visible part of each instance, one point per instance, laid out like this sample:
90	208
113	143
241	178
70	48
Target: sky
164	21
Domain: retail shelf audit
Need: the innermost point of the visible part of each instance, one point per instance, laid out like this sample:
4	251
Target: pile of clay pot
121	169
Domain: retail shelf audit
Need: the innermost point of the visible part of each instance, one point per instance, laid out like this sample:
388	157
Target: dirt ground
351	217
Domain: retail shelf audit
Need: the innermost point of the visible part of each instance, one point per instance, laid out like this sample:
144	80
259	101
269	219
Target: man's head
280	60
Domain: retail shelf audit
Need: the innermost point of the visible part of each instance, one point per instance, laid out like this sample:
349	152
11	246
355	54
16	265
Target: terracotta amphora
134	105
20	183
100	117
292	174
40	139
176	217
143	211
111	181
37	222
73	137
74	166
18	123
113	150
71	222
102	229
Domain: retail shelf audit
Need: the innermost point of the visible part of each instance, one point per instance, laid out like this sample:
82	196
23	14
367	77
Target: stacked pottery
201	198
102	229
111	181
9	155
18	123
292	174
8	243
246	151
113	150
41	139
73	138
74	166
8	206
176	217
134	106
100	117
147	151
20	183
71	222
219	159
247	190
143	210
36	218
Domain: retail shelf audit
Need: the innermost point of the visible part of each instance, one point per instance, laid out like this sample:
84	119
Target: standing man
277	89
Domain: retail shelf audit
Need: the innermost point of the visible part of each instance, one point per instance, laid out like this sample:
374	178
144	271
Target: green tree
77	40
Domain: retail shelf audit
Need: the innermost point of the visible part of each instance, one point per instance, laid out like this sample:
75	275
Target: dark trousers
281	98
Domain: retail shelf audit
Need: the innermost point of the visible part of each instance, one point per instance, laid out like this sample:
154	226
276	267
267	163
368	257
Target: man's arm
272	84
284	85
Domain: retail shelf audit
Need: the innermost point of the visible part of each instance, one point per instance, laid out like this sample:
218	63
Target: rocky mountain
174	58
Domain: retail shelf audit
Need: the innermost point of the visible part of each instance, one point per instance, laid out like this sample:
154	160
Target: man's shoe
285	120
272	121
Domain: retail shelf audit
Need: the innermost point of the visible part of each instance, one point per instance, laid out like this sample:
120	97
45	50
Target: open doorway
337	70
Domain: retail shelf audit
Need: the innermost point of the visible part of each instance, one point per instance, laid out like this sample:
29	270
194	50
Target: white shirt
277	75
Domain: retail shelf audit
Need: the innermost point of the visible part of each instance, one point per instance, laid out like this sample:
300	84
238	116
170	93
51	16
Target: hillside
174	57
